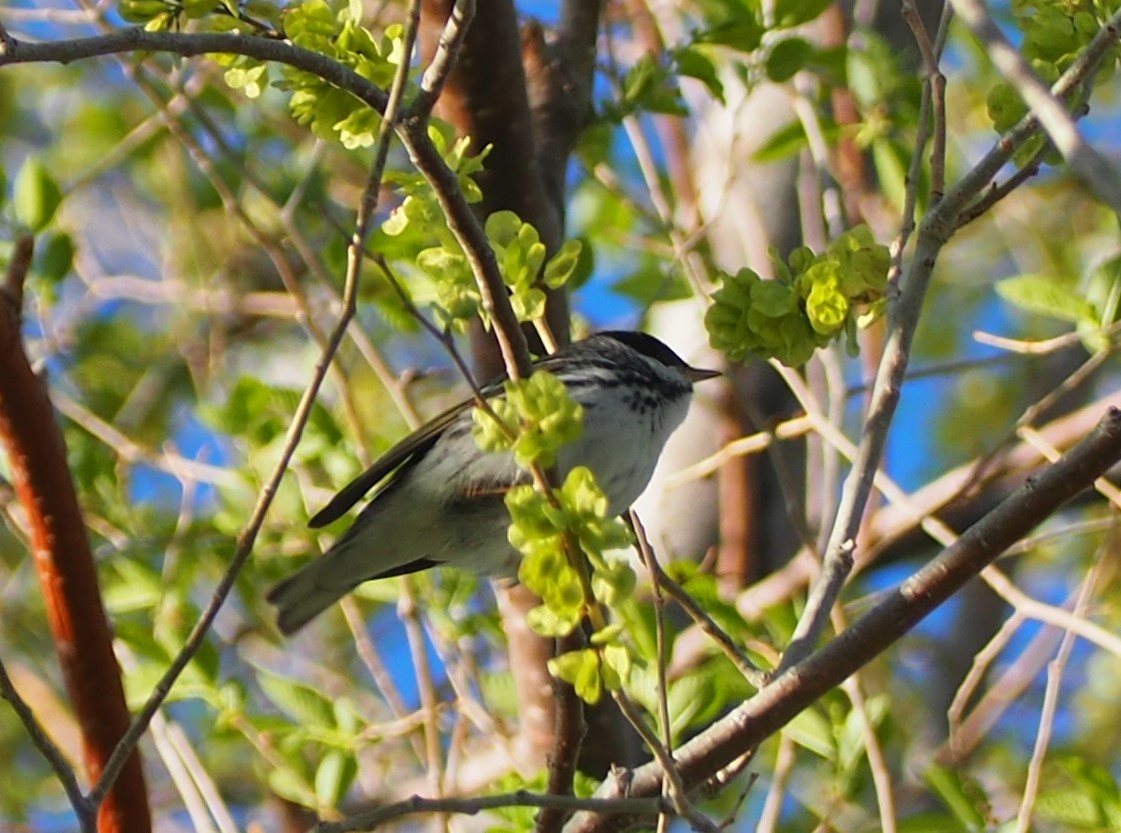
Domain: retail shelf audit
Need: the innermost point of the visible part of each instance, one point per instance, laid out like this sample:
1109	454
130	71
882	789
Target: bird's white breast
621	442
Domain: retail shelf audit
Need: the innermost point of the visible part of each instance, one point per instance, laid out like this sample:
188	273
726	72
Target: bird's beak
699	374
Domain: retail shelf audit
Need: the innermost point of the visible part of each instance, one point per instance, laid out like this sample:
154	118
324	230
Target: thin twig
873	750
708	626
1055	670
936	82
672	783
1040	347
429	702
436	75
999	190
181	778
443	337
756	443
776	792
207	789
180	467
661	645
83	808
368	653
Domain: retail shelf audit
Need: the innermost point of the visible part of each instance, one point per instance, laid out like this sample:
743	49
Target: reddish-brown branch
65	566
485	98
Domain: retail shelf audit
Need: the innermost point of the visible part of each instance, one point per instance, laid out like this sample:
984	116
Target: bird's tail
304	595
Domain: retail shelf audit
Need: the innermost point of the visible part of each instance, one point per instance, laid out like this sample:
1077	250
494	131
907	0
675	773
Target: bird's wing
397	460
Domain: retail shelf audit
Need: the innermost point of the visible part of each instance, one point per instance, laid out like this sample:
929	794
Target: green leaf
311	24
616	666
194	9
653	281
139	587
741	29
562	265
613	581
826	307
949	786
333	777
54	257
692	63
787	58
502	227
790	13
891	163
286	783
581	669
1005	107
850	742
303	704
1070	806
650	87
545	415
812	731
931	823
1046	296
782	143
141	11
546	622
688	697
36	195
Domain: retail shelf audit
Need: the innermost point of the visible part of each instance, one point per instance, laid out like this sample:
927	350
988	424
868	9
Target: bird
437	498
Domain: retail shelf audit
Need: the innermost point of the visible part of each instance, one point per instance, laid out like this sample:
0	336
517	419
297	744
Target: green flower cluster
535	418
521	254
1055	33
538	530
812	300
591	670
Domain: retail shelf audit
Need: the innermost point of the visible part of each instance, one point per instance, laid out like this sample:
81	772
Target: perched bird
438	498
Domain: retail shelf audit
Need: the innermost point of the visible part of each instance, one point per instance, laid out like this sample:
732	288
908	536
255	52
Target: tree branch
479	804
192	44
934	232
797	687
64	562
1095	171
48	750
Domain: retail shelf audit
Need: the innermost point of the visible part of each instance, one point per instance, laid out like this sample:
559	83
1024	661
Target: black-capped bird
438	498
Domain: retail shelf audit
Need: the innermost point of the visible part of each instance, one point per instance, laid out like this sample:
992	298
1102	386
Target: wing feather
395	462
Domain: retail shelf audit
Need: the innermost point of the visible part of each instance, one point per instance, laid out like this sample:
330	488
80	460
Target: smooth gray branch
796	688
